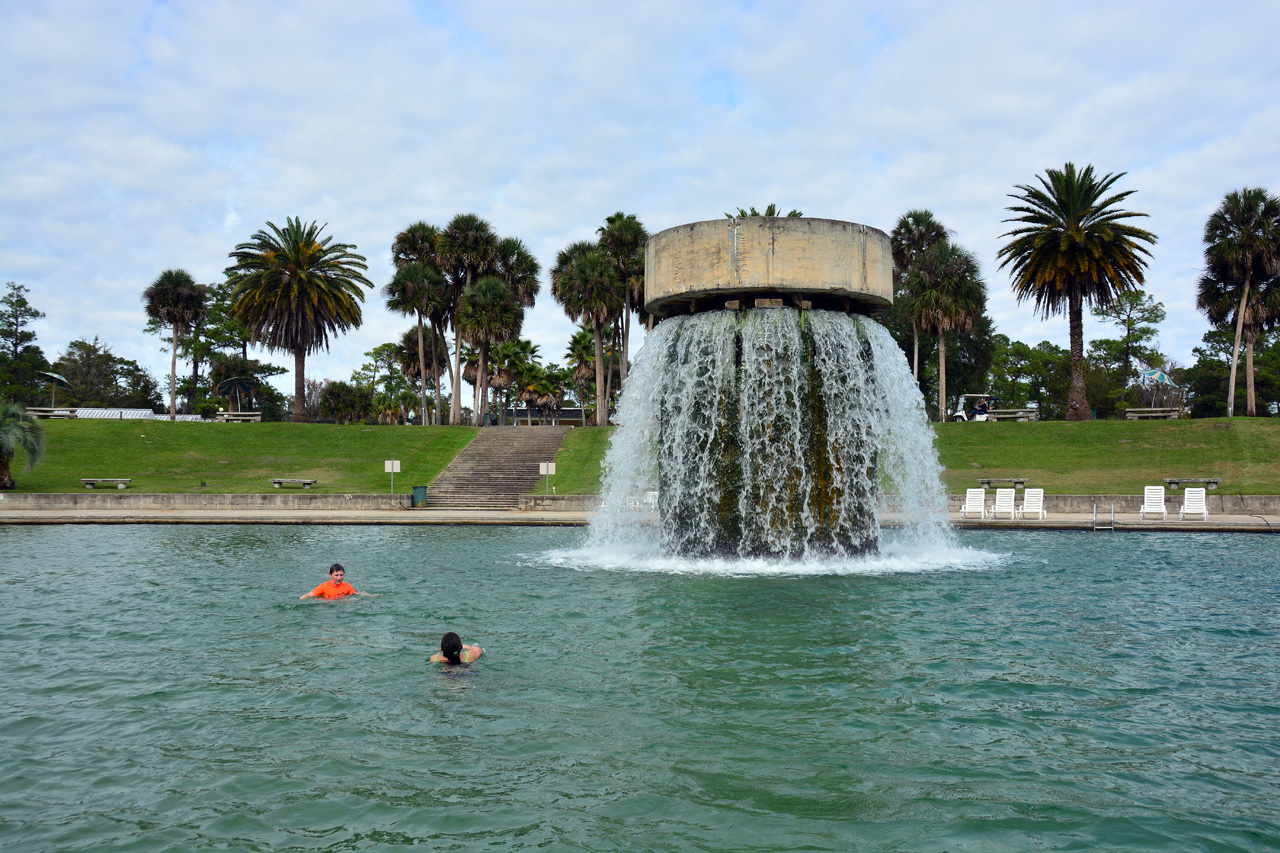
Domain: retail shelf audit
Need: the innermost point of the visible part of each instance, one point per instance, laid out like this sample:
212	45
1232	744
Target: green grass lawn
176	457
1113	457
1095	457
578	462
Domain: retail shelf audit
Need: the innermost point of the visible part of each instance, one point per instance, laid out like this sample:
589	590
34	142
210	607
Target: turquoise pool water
164	689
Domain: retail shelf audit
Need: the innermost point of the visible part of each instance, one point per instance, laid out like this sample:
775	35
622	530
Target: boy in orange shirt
334	587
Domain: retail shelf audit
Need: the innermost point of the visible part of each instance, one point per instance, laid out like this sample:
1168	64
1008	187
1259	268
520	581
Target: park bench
1208	482
240	417
1018	482
119	482
46	412
1012	414
1171	413
280	481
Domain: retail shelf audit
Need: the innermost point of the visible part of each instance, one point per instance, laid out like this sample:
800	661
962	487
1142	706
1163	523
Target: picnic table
1209	482
1012	414
118	482
1018	482
1170	413
240	417
280	481
48	412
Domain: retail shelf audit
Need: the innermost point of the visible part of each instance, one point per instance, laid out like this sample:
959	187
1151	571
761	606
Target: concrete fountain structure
766	410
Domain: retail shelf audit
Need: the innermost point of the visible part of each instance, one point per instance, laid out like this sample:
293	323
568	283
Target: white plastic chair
1193	503
1004	503
1032	504
975	500
1153	502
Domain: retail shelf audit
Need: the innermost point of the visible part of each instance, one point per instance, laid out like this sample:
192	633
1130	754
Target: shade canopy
60	381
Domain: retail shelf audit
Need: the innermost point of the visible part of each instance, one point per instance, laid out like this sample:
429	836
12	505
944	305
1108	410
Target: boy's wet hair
336	567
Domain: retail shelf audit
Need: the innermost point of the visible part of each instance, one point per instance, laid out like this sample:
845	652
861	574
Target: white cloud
144	136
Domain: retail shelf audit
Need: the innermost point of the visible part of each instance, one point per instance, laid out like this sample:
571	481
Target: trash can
419	496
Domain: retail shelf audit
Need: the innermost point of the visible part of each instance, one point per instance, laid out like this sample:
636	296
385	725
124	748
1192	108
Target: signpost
546	469
391	466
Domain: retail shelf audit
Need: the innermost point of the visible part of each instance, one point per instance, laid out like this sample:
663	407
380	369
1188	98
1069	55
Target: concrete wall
1219	503
560	503
125	500
767	254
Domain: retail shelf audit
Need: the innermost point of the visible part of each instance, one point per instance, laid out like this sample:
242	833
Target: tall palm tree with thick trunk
175	300
586	284
467	249
488	314
949	296
1218	296
516	265
915	232
1242	247
1074	247
623	239
18	431
293	290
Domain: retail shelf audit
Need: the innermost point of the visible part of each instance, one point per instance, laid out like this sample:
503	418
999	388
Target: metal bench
1170	414
280	481
240	417
119	482
1012	414
1208	482
1018	482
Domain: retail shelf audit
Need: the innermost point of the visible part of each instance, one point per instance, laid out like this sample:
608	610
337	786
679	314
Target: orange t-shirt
329	589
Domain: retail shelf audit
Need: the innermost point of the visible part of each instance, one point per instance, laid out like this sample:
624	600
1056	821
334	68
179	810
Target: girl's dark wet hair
451	647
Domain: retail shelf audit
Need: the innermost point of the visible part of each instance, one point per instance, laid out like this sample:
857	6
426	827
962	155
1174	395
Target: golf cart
973	407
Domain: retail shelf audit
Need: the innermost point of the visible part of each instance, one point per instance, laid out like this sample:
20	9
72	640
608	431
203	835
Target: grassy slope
1113	457
1098	457
238	458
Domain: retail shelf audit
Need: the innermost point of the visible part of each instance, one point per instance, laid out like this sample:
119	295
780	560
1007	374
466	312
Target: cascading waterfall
770	432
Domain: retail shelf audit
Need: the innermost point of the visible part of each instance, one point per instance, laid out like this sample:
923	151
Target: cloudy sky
140	136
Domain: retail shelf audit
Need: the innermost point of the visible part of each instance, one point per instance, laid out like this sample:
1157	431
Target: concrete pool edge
71	508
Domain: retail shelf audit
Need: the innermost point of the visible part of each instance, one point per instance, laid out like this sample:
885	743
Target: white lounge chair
1193	503
975	500
1153	502
1032	504
1004	503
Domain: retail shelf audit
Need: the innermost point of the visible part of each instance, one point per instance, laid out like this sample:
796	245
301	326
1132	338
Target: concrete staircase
498	466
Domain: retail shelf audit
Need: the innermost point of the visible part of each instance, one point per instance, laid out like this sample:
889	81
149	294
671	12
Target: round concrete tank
768	262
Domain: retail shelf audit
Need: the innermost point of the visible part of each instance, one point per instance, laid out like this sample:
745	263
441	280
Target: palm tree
516	265
1218	297
1074	248
175	300
419	289
582	360
487	314
416	245
18	430
915	232
949	296
623	240
292	290
467	248
585	283
1242	246
511	360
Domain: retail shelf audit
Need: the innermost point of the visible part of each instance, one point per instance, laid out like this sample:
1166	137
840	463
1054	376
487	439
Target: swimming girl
453	651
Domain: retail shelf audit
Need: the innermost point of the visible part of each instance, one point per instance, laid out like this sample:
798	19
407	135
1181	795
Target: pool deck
1058	521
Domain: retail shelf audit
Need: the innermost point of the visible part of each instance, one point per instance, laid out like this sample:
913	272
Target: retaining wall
125	500
1219	503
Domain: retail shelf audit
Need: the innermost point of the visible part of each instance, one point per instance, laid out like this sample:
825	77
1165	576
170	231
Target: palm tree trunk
481	399
455	379
1235	351
1077	400
942	377
173	377
915	352
1252	404
6	476
602	412
626	339
435	362
422	372
299	386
